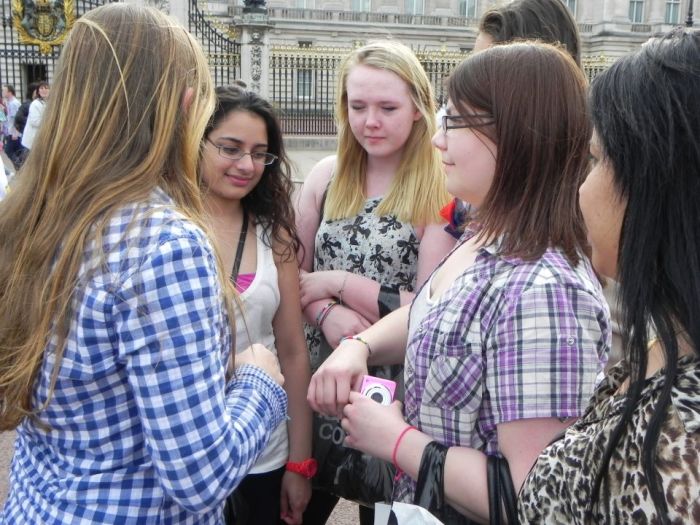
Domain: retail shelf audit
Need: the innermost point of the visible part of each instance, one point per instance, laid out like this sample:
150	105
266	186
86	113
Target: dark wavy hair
645	110
271	199
546	20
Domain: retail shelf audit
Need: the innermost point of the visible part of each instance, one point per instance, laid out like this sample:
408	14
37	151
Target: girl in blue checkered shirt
116	367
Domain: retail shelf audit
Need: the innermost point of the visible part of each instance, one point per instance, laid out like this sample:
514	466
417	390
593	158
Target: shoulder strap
239	248
501	491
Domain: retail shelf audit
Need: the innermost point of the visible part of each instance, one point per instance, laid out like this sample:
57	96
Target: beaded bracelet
360	339
324	313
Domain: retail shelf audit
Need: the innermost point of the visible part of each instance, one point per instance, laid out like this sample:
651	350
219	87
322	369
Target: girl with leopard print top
633	456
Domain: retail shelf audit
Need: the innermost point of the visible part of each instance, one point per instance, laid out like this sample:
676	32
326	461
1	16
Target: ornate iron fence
438	65
218	42
593	65
303	84
20	63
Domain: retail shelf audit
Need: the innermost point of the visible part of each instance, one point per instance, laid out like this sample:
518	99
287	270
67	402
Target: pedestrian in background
35	115
11	134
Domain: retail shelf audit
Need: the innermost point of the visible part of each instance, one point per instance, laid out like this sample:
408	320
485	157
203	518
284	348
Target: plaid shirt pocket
455	382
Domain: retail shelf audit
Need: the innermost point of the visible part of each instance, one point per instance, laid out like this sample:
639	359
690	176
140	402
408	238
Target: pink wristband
396	448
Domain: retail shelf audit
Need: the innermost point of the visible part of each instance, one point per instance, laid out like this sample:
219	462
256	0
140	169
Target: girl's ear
187	99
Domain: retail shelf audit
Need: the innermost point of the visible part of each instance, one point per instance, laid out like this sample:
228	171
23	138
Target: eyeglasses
470	121
236	153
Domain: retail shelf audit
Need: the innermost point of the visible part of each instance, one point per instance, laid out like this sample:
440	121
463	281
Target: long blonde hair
114	129
417	191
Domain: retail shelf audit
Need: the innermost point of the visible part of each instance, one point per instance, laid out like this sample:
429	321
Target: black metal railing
302	85
222	51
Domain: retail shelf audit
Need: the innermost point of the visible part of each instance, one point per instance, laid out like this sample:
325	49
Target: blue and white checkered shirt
142	426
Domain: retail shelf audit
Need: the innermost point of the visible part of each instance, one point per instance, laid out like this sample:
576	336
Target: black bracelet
388	300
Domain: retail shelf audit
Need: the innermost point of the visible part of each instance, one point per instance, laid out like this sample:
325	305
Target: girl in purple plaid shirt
503	345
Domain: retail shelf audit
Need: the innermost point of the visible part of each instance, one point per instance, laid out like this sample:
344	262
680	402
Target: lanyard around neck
239	248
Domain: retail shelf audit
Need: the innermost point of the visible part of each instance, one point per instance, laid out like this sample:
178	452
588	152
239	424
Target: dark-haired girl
503	344
247	188
639	439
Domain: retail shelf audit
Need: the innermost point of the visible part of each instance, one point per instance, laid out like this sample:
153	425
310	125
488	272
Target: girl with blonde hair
367	217
114	317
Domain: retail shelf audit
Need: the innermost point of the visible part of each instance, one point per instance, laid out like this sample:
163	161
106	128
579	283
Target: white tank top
260	303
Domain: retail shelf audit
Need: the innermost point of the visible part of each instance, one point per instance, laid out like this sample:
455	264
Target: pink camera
378	389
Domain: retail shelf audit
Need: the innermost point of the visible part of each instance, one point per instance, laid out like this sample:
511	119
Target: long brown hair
537	97
114	129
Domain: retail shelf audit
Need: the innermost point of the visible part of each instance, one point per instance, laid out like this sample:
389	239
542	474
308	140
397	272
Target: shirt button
570	341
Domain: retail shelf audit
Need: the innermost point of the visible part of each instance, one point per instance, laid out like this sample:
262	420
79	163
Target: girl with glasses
245	177
503	344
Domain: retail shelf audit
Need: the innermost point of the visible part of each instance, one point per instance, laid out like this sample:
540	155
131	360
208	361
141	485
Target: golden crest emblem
44	23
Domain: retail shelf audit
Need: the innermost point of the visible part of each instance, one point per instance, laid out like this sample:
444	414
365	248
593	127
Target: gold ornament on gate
44	23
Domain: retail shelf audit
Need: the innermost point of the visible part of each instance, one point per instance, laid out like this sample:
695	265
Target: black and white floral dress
381	248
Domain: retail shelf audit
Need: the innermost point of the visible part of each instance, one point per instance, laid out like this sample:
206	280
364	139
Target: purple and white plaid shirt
510	339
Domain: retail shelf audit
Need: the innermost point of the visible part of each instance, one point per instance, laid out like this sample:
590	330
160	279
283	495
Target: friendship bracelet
396	448
342	287
324	313
360	339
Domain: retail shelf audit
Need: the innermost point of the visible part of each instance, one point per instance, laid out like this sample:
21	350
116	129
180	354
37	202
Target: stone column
254	28
180	10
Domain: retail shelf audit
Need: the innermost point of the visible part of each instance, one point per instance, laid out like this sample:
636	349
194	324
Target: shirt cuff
250	377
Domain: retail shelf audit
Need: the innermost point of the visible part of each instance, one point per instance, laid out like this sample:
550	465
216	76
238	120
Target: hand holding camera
330	386
380	390
372	420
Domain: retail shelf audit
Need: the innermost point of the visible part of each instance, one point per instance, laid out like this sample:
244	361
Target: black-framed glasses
236	153
475	120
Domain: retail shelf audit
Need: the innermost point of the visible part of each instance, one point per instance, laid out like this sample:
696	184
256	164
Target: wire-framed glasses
475	120
236	153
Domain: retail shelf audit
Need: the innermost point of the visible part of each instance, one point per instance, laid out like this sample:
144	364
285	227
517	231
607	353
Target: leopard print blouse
558	489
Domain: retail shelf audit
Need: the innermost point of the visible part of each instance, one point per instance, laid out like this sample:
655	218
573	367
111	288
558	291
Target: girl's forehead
362	77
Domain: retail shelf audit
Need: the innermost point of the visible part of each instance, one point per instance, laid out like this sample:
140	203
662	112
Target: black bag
346	472
501	491
430	488
343	471
22	115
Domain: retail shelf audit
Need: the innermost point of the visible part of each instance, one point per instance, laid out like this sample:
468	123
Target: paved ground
304	160
346	512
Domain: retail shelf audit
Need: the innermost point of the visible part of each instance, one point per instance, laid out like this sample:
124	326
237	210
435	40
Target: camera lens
378	393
